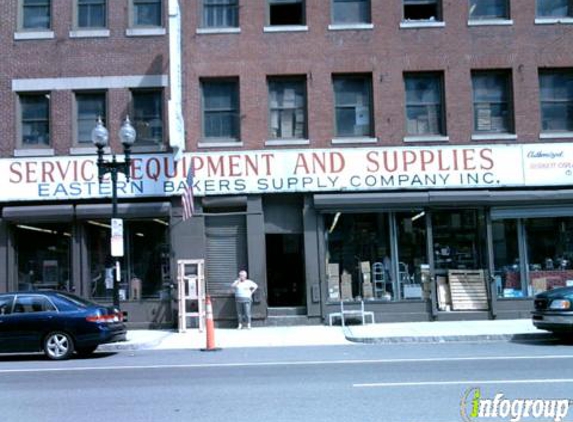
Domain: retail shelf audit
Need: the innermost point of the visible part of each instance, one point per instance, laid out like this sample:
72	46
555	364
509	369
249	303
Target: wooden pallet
468	290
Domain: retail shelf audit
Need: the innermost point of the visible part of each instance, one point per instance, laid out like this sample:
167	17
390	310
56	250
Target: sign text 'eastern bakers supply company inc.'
281	171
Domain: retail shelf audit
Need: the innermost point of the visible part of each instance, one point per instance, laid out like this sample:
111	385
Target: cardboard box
365	267
334	293
333	269
346	289
367	291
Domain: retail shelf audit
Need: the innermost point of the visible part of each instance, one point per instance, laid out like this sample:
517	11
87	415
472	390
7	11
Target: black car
56	323
554	310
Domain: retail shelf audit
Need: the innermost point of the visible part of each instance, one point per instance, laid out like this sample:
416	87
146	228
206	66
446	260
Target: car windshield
84	303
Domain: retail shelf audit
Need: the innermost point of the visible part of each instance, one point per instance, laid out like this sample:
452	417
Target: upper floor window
36	14
353	105
220	14
91	13
146	13
554	8
556	98
489	9
220	109
424	104
493	111
348	12
148	116
35	120
286	12
287	108
89	107
428	10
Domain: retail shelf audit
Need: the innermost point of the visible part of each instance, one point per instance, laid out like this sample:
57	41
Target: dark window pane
148	117
350	11
556	96
35	119
91	13
147	12
489	9
220	13
90	107
36	14
353	106
424	105
554	8
220	109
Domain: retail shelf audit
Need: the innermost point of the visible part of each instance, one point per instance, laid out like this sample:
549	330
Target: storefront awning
39	213
500	213
131	210
402	200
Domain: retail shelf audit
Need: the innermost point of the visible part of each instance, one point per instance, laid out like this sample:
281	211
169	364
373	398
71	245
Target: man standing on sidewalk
244	289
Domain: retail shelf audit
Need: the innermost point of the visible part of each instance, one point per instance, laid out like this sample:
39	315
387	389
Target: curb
451	338
131	345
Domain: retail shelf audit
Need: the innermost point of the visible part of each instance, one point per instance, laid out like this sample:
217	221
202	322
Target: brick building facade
414	155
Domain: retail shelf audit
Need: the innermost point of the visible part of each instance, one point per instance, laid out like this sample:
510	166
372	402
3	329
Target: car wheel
85	351
58	345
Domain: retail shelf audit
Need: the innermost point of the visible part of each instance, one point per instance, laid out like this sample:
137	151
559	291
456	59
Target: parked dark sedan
56	323
554	310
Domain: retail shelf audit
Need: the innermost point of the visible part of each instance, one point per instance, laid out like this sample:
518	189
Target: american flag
187	196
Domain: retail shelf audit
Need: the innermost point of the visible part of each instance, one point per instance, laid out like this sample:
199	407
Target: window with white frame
556	97
286	12
35	119
146	13
554	8
353	105
220	14
348	12
36	14
489	9
148	116
220	109
424	104
91	13
415	10
492	98
90	106
287	107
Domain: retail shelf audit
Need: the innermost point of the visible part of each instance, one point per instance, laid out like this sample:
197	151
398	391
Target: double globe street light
100	137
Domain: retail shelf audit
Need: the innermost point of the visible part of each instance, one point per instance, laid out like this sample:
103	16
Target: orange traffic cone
210	327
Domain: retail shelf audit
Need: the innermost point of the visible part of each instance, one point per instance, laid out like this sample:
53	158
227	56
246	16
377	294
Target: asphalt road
388	383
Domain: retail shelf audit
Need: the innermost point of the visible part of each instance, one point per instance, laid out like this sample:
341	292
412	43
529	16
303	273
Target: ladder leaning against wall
190	289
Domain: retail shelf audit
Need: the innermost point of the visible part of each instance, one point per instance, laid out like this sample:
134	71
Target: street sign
117	237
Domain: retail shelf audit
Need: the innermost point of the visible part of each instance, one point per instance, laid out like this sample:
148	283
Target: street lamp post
100	136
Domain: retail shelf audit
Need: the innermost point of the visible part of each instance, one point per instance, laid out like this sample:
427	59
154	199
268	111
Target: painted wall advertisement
282	171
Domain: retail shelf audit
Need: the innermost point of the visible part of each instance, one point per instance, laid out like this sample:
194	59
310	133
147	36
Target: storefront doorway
285	270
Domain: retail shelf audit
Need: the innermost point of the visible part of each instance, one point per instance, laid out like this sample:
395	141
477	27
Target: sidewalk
322	335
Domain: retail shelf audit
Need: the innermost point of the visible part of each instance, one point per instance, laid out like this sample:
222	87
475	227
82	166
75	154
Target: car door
32	317
7	341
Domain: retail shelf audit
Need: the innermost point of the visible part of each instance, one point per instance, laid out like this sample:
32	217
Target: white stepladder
191	287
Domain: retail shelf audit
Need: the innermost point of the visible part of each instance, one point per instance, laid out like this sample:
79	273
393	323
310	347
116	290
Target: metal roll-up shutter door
226	251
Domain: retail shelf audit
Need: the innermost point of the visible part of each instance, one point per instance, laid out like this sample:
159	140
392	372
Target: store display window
43	254
412	243
145	270
549	253
507	269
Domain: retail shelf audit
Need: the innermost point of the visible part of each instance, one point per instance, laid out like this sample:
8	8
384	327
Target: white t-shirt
244	289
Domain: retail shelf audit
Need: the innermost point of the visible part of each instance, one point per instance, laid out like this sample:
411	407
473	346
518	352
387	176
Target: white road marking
288	363
463	382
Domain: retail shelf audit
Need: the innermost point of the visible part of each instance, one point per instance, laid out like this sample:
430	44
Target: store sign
117	237
281	171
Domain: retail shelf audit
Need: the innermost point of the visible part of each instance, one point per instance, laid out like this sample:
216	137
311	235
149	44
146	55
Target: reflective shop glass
43	254
549	253
145	268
